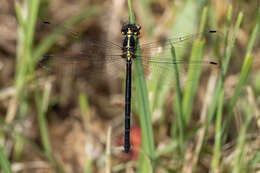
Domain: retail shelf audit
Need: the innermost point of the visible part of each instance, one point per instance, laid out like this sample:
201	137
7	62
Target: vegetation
192	120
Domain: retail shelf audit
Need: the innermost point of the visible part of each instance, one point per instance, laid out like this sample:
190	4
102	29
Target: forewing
180	43
157	58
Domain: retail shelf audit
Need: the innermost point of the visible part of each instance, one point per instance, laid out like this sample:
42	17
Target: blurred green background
56	122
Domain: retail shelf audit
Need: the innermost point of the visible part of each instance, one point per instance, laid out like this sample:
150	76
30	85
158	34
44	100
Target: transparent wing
88	46
179	39
92	55
167	67
88	54
183	43
158	54
82	65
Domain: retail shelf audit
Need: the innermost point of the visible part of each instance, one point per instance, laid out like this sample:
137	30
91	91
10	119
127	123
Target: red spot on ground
135	140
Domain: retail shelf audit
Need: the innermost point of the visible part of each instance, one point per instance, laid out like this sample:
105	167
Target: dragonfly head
130	29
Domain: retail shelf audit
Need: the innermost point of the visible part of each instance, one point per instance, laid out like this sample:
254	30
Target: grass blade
161	84
19	15
254	34
192	80
33	6
194	74
88	168
42	103
6	167
178	102
211	112
241	82
84	107
19	105
244	72
144	113
143	108
240	148
220	82
217	145
224	67
253	162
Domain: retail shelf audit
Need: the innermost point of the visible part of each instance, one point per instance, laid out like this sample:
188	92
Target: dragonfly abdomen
130	31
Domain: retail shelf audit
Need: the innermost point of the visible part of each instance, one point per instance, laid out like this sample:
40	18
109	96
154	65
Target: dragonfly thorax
130	32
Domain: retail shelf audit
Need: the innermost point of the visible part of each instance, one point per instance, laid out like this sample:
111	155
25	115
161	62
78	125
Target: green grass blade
29	29
257	83
225	63
161	83
143	108
194	74
192	79
244	71
84	107
241	82
178	102
19	15
240	148
19	104
86	116
231	45
42	104
144	114
220	82
217	146
242	79
5	165
33	8
131	12
229	20
88	166
203	21
25	42
219	87
254	34
254	161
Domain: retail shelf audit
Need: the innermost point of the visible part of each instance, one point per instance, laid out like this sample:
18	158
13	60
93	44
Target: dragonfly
99	52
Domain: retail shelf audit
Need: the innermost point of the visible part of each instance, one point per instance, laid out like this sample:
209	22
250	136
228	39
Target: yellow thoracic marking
128	42
128	54
129	31
129	34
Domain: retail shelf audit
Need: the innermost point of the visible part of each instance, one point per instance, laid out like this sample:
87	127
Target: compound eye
123	31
